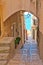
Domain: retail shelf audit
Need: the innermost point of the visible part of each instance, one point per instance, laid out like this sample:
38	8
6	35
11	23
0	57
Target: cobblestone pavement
28	55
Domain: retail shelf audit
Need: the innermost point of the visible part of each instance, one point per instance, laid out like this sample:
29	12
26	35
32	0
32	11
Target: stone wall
10	7
37	9
41	44
15	18
41	28
32	8
9	31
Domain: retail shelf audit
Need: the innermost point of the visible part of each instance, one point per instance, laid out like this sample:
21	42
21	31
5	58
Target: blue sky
27	19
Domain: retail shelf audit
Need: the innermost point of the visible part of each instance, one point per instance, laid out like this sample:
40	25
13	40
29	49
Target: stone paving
28	55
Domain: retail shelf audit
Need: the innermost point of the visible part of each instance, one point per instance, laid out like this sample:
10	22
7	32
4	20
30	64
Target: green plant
17	40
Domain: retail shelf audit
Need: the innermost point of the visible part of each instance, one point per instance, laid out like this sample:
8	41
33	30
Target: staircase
4	52
6	49
28	55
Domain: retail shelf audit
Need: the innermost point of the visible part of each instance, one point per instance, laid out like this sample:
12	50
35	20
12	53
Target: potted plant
17	40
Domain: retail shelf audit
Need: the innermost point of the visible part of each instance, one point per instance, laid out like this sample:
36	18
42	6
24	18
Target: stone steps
4	48
4	44
3	56
3	62
4	53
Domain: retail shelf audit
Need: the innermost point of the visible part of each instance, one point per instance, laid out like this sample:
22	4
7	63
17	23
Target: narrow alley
27	55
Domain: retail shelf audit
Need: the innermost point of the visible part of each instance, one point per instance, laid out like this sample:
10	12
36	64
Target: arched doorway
31	25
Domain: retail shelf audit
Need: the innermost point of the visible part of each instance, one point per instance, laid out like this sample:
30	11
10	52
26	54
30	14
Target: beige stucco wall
33	6
1	20
41	29
7	25
11	6
25	5
41	17
41	44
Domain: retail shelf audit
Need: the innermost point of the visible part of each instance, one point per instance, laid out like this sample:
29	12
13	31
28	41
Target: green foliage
17	40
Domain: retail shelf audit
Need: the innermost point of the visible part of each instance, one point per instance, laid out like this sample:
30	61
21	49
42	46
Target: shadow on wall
15	18
41	44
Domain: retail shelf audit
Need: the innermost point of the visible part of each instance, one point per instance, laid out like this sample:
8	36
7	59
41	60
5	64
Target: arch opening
31	25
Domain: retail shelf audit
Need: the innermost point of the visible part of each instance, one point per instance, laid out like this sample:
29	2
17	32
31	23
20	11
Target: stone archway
34	25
